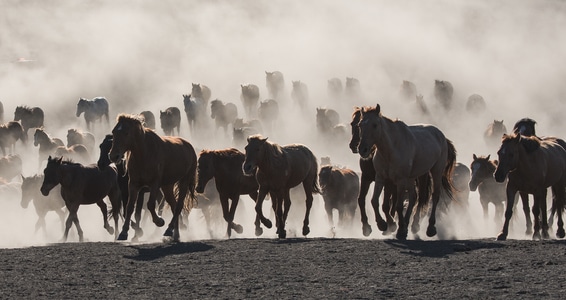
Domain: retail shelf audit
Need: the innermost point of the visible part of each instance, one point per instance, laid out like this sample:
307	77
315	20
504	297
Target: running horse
82	185
225	167
47	144
402	154
168	163
277	169
93	110
43	204
10	133
531	165
30	117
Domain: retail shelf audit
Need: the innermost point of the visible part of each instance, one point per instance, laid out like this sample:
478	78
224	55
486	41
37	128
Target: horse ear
474	156
378	108
488	156
60	160
264	139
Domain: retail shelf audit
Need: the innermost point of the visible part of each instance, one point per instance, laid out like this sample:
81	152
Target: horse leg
328	209
277	199
257	222
138	232
437	177
308	191
378	187
237	227
104	211
259	209
116	201
173	227
404	218
542	211
388	206
132	194
558	206
364	187
510	193
536	216
527	212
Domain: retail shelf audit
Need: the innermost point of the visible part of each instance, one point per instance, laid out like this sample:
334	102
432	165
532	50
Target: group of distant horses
413	166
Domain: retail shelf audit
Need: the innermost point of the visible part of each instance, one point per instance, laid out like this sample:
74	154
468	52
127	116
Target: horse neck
392	133
270	162
139	149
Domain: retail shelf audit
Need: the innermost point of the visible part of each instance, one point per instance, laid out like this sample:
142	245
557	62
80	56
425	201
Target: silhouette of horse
170	119
30	117
82	185
225	166
240	135
10	133
268	113
443	92
334	89
195	111
77	153
531	166
223	114
275	83
202	94
167	163
493	133
461	193
408	90
475	104
277	169
43	204
352	90
148	119
78	137
404	153
492	191
253	123
326	119
47	145
300	94
10	166
250	99
93	110
339	188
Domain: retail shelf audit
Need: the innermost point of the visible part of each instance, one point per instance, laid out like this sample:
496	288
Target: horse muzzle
45	190
354	147
115	157
248	169
473	186
364	151
499	176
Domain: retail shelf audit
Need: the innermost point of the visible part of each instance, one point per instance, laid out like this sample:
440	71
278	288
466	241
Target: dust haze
144	55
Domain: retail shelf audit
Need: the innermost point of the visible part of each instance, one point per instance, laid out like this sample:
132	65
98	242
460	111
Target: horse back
87	183
301	164
175	158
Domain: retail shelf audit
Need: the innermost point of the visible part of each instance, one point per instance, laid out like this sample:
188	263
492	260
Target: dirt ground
293	268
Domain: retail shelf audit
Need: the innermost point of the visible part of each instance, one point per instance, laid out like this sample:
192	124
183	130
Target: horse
148	119
42	204
402	154
195	111
253	123
250	99
93	110
408	90
77	152
334	89
268	113
339	188
443	93
531	165
82	185
492	191
223	114
352	90
475	104
201	93
326	119
275	83
493	133
10	133
170	119
10	166
47	144
78	137
167	163
277	169
30	117
225	167
123	178
300	94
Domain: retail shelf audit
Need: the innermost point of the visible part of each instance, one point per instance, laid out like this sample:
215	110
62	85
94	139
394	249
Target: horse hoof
366	230
501	237
282	234
139	232
306	230
431	231
536	236
560	233
110	230
123	236
545	235
168	232
258	231
238	228
392	227
402	234
267	224
415	228
382	225
159	222
529	232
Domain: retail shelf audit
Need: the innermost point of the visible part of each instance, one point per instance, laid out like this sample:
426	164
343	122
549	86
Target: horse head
205	169
508	156
127	130
369	126
480	171
81	106
253	151
105	146
52	175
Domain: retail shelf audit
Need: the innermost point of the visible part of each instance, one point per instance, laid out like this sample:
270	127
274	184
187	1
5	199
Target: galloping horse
195	109
268	113
10	133
223	114
170	119
93	110
82	185
76	137
277	169
201	93
339	188
404	153
166	163
531	166
47	145
42	204
31	117
250	99
225	166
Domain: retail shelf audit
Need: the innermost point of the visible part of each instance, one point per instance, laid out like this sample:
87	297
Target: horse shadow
442	248
153	252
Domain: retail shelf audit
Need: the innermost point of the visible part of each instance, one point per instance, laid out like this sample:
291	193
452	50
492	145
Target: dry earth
292	268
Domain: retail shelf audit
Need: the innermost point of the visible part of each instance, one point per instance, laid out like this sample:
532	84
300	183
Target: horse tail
448	170
424	184
190	200
315	187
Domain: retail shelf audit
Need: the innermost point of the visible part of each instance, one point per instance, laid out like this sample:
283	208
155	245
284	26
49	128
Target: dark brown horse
30	117
404	153
326	119
93	110
225	166
201	93
10	166
43	204
250	99
531	166
339	188
223	114
277	169
195	109
77	136
10	133
47	144
170	119
82	185
166	163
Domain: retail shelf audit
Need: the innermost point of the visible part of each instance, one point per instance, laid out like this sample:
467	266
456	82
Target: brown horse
492	191
531	166
170	119
31	117
10	166
225	166
81	185
201	93
76	136
277	169
493	133
77	153
250	99
167	163
223	114
339	188
10	133
93	110
47	144
42	204
148	119
404	153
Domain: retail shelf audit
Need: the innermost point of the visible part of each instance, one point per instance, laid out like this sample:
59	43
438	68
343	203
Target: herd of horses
413	168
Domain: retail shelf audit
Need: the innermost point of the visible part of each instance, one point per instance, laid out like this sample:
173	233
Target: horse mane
224	153
529	143
275	154
491	164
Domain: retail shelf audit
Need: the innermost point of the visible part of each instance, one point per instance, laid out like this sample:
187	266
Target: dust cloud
144	55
